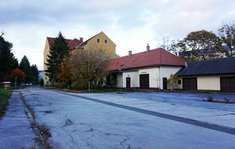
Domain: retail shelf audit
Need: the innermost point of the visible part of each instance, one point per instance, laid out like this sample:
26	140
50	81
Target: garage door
190	83
227	84
144	81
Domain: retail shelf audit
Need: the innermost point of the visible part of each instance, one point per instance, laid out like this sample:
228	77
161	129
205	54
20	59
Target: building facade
148	69
214	75
99	41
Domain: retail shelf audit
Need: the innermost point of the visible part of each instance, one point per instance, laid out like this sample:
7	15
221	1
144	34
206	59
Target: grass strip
4	96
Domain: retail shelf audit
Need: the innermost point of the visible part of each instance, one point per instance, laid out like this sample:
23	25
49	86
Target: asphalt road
114	121
229	130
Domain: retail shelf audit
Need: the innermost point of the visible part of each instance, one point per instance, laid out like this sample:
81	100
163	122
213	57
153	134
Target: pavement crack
221	128
41	132
68	122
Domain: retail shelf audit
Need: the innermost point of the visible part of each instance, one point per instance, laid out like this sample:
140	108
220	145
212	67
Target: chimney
81	39
147	47
185	64
129	53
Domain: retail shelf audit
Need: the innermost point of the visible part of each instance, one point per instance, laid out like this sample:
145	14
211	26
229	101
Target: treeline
77	68
11	70
202	45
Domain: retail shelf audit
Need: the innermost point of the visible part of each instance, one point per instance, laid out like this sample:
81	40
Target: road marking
207	125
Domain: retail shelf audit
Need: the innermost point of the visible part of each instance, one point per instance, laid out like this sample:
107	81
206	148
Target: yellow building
99	41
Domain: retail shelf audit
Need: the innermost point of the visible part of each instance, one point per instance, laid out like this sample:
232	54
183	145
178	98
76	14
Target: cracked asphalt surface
121	121
220	128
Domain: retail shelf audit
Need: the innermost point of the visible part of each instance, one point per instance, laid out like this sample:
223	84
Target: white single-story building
214	74
148	69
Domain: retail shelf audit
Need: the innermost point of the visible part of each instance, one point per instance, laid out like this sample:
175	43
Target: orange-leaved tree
18	75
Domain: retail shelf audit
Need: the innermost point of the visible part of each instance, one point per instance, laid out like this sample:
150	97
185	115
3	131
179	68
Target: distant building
148	69
98	41
214	74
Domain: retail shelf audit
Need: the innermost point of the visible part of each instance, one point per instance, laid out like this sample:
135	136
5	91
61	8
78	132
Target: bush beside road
4	96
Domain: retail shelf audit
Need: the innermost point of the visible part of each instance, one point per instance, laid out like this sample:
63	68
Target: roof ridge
139	53
150	58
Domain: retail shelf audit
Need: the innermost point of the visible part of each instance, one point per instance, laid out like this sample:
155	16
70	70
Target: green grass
4	96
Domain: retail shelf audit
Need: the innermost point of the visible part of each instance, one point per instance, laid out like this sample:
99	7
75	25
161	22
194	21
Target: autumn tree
88	66
227	36
55	57
64	76
173	81
17	75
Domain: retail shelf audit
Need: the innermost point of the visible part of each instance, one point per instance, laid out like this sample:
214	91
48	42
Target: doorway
128	82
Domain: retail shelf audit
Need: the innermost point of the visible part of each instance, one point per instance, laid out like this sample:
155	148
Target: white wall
208	83
119	81
153	76
155	80
166	71
134	75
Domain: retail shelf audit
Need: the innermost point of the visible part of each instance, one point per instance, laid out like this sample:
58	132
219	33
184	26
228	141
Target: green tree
199	45
227	36
55	57
34	71
25	66
7	59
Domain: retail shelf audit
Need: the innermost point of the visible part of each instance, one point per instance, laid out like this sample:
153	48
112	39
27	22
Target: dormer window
98	40
105	41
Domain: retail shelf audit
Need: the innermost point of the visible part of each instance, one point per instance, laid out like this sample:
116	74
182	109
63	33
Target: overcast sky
131	24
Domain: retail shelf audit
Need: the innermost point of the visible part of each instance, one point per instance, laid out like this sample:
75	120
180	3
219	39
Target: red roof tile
155	57
72	43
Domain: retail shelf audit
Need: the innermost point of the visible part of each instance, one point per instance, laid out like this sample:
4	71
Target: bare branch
2	34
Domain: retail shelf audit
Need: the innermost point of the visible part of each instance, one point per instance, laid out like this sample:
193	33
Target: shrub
4	95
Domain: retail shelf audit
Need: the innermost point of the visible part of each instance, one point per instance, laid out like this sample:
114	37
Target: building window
179	81
98	40
105	41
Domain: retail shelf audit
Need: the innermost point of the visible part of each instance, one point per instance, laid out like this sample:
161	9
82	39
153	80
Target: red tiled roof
155	57
72	43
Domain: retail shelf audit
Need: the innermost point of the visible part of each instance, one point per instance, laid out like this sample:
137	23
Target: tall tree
227	36
25	66
55	57
199	45
7	59
34	71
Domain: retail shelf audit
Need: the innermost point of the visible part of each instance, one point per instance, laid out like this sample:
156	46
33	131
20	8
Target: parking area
133	120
